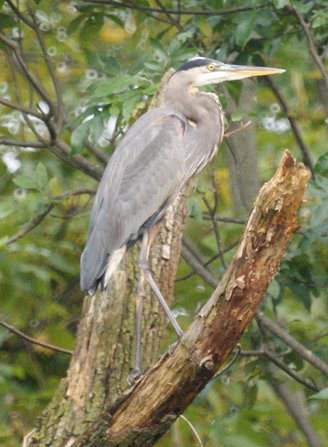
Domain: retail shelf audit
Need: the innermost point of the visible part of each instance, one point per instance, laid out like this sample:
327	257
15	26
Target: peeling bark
147	410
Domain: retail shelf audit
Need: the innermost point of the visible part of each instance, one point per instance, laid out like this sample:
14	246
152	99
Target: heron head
205	71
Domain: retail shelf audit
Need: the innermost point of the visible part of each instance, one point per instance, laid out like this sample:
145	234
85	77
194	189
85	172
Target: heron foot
134	376
172	347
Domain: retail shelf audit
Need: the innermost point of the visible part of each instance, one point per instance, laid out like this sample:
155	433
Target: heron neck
195	105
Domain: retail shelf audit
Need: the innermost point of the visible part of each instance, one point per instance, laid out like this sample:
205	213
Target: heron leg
146	273
138	321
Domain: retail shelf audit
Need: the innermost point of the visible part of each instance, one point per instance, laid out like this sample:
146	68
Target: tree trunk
145	412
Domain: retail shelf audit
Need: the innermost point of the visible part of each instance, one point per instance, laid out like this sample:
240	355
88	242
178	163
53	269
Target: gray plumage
158	155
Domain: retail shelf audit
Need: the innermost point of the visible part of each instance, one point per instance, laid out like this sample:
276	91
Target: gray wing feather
145	171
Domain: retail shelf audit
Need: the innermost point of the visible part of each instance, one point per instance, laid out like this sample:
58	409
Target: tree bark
145	412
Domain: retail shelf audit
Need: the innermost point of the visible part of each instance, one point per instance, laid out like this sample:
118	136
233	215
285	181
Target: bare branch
211	12
22	64
303	381
192	429
208	276
311	43
31	225
290	341
33	340
62	150
39	217
176	379
19	14
306	155
100	156
265	352
21	108
212	212
58	109
296	408
224	219
9	142
168	15
241	127
204	272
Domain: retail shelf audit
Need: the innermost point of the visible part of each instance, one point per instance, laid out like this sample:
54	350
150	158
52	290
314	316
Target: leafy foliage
109	61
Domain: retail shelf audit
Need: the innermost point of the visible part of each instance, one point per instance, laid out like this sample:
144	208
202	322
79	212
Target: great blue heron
158	155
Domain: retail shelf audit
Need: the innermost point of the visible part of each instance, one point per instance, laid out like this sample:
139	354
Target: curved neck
196	106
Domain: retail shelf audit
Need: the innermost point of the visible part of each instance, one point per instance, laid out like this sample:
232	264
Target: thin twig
168	15
33	340
19	14
22	64
31	225
311	43
290	341
192	429
39	217
297	134
296	407
34	144
198	266
20	108
58	112
274	359
229	365
241	127
212	12
306	382
224	219
212	212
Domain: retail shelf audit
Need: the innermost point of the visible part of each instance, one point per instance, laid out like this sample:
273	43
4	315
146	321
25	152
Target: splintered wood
148	409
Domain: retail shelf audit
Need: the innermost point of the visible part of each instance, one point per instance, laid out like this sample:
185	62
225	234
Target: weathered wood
144	413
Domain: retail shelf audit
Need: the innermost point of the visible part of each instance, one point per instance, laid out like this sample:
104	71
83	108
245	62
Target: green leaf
279	4
194	209
79	136
3	241
96	128
111	66
302	293
322	395
319	21
244	31
6	21
41	176
5	210
250	396
235	116
274	289
205	27
115	19
24	181
74	24
321	167
106	87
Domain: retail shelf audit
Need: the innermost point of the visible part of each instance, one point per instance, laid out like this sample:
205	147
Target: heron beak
226	72
234	72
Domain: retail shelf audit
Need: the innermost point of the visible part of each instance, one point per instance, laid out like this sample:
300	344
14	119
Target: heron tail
97	268
112	264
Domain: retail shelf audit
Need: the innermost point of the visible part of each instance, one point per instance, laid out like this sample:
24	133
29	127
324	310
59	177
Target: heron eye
210	67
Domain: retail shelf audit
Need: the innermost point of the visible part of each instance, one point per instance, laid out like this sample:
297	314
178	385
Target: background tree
73	76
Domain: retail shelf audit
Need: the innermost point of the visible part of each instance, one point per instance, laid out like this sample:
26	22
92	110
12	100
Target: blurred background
74	76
